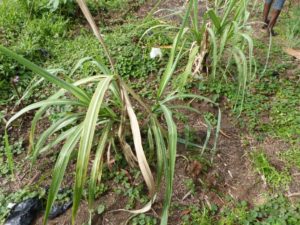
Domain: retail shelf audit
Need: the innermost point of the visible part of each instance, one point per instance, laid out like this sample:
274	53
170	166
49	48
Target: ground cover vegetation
86	113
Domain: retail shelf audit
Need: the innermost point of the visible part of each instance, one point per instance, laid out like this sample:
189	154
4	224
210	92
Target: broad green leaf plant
97	121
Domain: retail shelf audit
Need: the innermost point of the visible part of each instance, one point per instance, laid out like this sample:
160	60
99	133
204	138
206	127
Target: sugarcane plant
95	122
218	44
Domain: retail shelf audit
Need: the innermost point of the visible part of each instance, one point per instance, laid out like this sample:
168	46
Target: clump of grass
273	177
292	27
292	156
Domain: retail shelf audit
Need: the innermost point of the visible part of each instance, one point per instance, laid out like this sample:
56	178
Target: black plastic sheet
25	212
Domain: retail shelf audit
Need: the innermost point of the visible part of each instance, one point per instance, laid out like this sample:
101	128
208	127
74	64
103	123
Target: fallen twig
293	194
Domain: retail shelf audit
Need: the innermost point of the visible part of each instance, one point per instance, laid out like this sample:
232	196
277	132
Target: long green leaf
60	168
214	51
58	125
188	70
60	138
80	94
8	153
38	115
78	65
207	135
42	104
214	18
218	129
172	63
86	141
184	96
172	149
151	144
97	169
160	150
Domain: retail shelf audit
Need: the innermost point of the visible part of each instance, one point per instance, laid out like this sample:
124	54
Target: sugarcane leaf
88	132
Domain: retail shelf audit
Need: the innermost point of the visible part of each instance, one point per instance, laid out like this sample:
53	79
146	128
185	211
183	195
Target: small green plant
273	177
277	211
190	185
144	220
196	216
16	197
236	214
15	149
134	193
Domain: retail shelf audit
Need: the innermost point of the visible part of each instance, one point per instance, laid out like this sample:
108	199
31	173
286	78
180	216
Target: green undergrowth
272	176
54	42
272	101
131	56
17	148
292	156
291	26
15	197
271	104
278	210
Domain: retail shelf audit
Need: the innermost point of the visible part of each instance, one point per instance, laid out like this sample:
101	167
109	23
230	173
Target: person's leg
277	7
266	12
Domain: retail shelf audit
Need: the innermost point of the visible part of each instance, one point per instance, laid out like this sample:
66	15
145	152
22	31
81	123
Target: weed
16	149
292	156
292	27
190	185
100	209
276	211
16	197
236	214
134	193
143	219
285	122
273	177
196	216
32	38
113	5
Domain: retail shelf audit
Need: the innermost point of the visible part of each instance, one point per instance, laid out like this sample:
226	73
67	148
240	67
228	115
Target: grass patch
291	26
277	211
292	156
273	177
284	114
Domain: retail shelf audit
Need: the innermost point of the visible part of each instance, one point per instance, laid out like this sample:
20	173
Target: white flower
155	52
